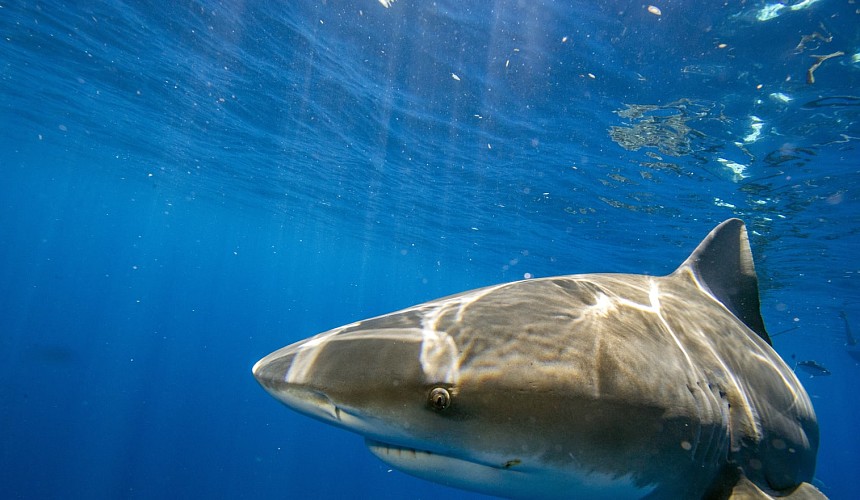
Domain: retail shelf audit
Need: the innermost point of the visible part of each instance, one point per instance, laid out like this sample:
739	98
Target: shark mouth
511	478
407	458
466	473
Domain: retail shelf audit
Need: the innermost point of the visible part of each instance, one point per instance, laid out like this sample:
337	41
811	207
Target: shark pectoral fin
745	489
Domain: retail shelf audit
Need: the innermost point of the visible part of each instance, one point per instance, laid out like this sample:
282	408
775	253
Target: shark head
397	380
600	385
379	378
435	405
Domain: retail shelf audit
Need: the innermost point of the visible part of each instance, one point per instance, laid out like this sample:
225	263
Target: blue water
187	186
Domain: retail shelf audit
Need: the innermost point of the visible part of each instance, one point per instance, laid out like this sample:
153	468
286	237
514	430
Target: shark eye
440	398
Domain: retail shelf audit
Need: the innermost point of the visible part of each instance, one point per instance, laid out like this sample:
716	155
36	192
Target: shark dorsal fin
723	265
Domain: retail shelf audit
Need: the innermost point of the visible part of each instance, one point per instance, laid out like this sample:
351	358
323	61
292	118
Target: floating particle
590	75
563	39
454	76
769	11
722	45
756	125
780	97
738	170
655	10
805	39
720	203
810	78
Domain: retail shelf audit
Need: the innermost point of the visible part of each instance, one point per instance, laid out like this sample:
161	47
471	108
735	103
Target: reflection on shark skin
589	386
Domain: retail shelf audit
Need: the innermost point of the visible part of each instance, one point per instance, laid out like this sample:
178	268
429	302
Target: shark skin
591	386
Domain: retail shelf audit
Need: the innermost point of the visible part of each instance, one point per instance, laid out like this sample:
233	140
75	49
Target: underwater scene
190	187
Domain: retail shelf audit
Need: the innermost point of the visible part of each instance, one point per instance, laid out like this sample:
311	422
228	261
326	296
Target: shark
577	386
812	367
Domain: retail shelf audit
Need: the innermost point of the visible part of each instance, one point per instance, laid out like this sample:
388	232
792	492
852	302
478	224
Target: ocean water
187	186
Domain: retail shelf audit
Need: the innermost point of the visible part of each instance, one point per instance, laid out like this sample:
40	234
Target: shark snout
352	375
270	371
273	373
